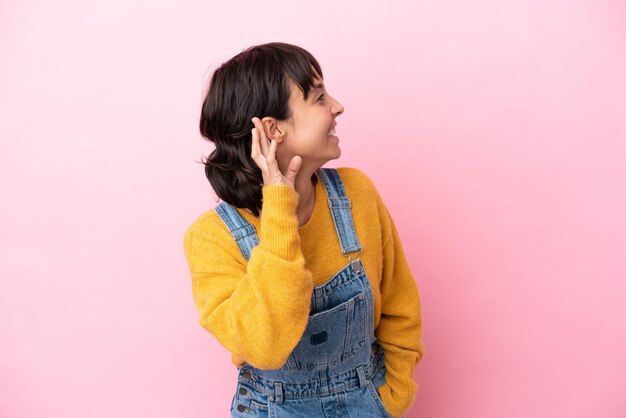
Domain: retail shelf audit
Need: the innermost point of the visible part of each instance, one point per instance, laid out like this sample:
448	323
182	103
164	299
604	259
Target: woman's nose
338	108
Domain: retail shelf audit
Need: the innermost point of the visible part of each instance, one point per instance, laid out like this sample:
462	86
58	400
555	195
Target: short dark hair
254	82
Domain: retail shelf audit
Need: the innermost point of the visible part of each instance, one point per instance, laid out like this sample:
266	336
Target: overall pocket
377	400
332	336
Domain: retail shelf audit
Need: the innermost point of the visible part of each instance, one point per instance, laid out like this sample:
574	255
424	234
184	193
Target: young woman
299	271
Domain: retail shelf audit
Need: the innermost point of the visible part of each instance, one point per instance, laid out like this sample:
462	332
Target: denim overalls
338	363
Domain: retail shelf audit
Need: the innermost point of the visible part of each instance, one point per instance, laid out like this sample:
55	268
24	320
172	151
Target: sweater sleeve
400	328
257	310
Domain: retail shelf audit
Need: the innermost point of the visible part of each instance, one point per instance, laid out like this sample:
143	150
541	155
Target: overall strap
340	205
242	231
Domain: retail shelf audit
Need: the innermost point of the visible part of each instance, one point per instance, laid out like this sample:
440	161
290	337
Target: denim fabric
338	364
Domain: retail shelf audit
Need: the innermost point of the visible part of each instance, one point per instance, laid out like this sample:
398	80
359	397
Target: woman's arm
260	310
400	328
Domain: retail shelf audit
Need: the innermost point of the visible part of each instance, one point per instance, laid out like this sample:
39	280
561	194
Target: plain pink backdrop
495	131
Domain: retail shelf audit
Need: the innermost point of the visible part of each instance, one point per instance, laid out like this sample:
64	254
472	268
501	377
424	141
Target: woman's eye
320	98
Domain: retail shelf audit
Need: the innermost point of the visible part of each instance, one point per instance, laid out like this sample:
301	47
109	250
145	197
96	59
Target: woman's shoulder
356	179
208	226
205	220
208	239
360	187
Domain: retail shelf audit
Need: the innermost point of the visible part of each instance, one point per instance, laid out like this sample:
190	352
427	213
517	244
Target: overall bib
338	363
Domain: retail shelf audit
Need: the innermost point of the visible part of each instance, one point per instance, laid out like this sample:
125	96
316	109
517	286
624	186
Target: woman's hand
264	155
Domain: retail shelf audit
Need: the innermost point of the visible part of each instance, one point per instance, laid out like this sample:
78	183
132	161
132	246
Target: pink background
495	131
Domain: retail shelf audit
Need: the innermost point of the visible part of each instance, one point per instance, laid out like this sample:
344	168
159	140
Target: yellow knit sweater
258	309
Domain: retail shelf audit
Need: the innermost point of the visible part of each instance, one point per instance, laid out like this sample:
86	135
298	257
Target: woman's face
306	133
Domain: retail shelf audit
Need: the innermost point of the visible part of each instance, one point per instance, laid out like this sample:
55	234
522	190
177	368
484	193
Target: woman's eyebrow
317	86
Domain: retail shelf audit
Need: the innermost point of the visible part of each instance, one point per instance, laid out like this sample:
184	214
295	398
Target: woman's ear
272	130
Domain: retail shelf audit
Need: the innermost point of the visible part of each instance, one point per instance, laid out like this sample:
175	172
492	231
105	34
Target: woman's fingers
255	148
261	135
272	163
272	150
